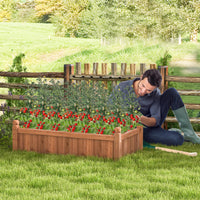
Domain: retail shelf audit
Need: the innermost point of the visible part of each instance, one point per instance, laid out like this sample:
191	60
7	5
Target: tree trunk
179	39
193	36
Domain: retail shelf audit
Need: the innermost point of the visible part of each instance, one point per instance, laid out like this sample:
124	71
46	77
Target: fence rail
183	79
33	74
74	74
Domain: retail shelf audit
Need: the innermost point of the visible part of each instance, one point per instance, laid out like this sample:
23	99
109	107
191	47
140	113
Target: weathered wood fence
73	74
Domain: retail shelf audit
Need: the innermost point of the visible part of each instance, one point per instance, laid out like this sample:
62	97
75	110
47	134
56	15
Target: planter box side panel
132	141
88	147
65	145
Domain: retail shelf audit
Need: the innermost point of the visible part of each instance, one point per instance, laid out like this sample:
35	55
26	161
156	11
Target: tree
193	18
45	9
67	16
190	15
104	19
7	8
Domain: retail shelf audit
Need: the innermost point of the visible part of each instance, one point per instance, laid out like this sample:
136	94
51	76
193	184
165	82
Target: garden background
65	32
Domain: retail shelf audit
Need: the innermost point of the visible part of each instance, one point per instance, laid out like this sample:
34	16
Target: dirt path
189	64
53	56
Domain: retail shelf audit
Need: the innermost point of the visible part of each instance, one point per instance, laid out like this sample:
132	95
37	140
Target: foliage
67	17
107	19
5	128
164	61
103	19
7	8
16	67
25	11
44	10
84	104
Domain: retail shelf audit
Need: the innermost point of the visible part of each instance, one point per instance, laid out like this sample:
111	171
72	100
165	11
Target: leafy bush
16	67
5	128
164	61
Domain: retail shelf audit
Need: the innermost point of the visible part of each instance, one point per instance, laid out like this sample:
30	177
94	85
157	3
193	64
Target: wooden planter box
80	144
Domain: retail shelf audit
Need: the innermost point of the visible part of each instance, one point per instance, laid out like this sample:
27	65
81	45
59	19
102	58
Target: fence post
68	70
164	72
78	70
123	69
95	71
152	66
142	68
95	68
132	69
164	84
104	70
114	72
87	68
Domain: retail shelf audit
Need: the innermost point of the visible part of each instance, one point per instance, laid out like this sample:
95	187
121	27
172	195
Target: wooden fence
73	74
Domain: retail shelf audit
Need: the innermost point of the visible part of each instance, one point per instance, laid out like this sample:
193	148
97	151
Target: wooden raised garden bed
80	144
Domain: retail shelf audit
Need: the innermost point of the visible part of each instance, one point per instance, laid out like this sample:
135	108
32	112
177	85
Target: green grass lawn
148	174
46	52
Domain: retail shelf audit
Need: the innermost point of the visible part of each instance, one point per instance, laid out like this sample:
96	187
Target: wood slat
12	97
69	135
193	106
189	92
33	74
103	77
13	85
114	73
133	69
183	79
104	70
129	133
192	120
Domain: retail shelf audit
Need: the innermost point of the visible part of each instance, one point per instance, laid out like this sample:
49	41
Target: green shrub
5	128
17	67
164	61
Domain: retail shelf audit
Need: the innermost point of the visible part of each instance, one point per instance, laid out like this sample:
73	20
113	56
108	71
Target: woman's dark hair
154	77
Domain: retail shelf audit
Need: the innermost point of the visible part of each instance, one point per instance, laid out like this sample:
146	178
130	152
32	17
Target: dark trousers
170	98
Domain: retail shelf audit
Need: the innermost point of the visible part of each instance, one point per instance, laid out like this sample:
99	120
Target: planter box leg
117	143
14	134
